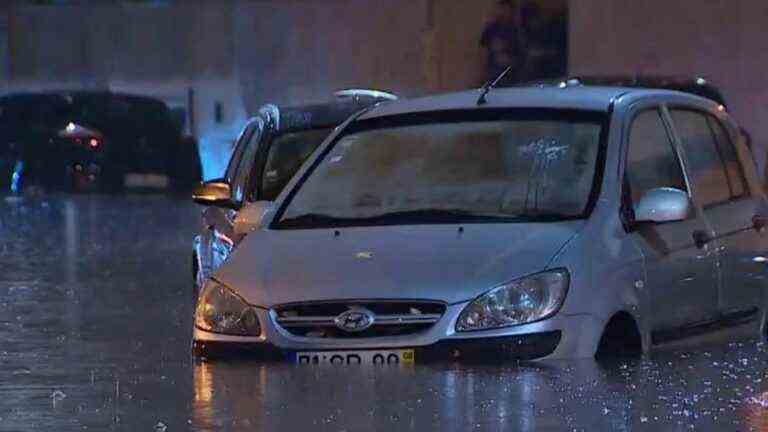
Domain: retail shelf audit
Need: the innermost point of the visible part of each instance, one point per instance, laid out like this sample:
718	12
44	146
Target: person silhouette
504	41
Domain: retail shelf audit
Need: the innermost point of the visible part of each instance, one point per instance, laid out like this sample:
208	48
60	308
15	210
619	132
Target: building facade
220	60
722	40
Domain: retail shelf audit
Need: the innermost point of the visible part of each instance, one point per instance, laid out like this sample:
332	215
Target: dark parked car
92	139
271	148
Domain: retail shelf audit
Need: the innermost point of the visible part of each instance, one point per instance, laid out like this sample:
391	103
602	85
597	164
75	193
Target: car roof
76	94
26	98
698	86
583	98
315	116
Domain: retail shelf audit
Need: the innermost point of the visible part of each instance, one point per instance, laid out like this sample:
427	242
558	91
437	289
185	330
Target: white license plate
345	358
149	181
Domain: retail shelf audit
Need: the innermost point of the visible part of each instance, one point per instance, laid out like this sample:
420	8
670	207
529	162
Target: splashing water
57	396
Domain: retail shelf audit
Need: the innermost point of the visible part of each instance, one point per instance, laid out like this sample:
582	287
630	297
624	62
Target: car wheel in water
621	338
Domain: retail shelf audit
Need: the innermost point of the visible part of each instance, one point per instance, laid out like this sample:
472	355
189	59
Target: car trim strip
329	321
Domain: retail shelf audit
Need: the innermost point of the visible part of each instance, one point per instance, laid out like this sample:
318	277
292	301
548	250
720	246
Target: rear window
35	110
126	112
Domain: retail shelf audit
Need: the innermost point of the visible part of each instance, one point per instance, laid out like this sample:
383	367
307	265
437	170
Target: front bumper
505	348
562	336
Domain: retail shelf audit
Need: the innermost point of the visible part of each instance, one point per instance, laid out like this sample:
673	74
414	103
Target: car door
721	187
220	221
681	277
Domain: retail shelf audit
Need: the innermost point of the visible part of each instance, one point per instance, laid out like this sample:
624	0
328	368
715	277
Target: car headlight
523	301
220	310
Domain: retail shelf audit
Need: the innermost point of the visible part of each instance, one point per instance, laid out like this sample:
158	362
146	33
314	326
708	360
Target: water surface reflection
95	319
676	391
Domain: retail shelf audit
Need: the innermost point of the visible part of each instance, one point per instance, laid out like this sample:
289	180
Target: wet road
95	316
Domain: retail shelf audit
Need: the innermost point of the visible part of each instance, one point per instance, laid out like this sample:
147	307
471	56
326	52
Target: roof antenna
490	85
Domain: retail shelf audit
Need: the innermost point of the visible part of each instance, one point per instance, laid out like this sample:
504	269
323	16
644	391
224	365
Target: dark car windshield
141	131
121	112
96	110
286	155
536	165
25	111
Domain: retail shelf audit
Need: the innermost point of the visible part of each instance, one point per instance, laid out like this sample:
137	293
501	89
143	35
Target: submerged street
95	328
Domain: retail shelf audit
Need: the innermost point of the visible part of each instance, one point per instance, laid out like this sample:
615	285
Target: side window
651	160
237	153
705	164
246	164
736	180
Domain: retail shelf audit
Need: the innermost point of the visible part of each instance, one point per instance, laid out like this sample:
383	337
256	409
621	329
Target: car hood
438	262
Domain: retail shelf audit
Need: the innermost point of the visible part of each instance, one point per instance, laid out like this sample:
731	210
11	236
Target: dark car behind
270	150
120	135
292	133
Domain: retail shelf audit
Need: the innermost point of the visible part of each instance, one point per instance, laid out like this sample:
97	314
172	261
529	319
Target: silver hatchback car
523	224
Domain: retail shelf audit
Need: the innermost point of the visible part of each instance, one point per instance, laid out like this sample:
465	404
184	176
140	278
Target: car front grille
390	318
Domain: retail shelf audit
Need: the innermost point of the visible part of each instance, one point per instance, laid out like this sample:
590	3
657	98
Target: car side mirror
663	205
252	217
215	193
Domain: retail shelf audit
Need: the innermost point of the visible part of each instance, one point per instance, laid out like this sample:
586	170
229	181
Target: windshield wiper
445	216
393	218
312	220
546	216
439	215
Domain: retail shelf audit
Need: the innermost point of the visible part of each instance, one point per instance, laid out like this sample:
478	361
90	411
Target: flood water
95	319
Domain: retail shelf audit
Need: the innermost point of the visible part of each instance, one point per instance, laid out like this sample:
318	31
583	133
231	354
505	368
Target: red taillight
93	143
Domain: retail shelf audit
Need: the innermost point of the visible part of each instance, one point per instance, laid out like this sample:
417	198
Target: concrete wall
162	51
723	40
244	53
292	51
4	52
101	41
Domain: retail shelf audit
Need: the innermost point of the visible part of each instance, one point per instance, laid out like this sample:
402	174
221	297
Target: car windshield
454	167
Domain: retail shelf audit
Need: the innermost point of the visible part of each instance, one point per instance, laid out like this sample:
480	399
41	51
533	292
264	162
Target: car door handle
701	238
